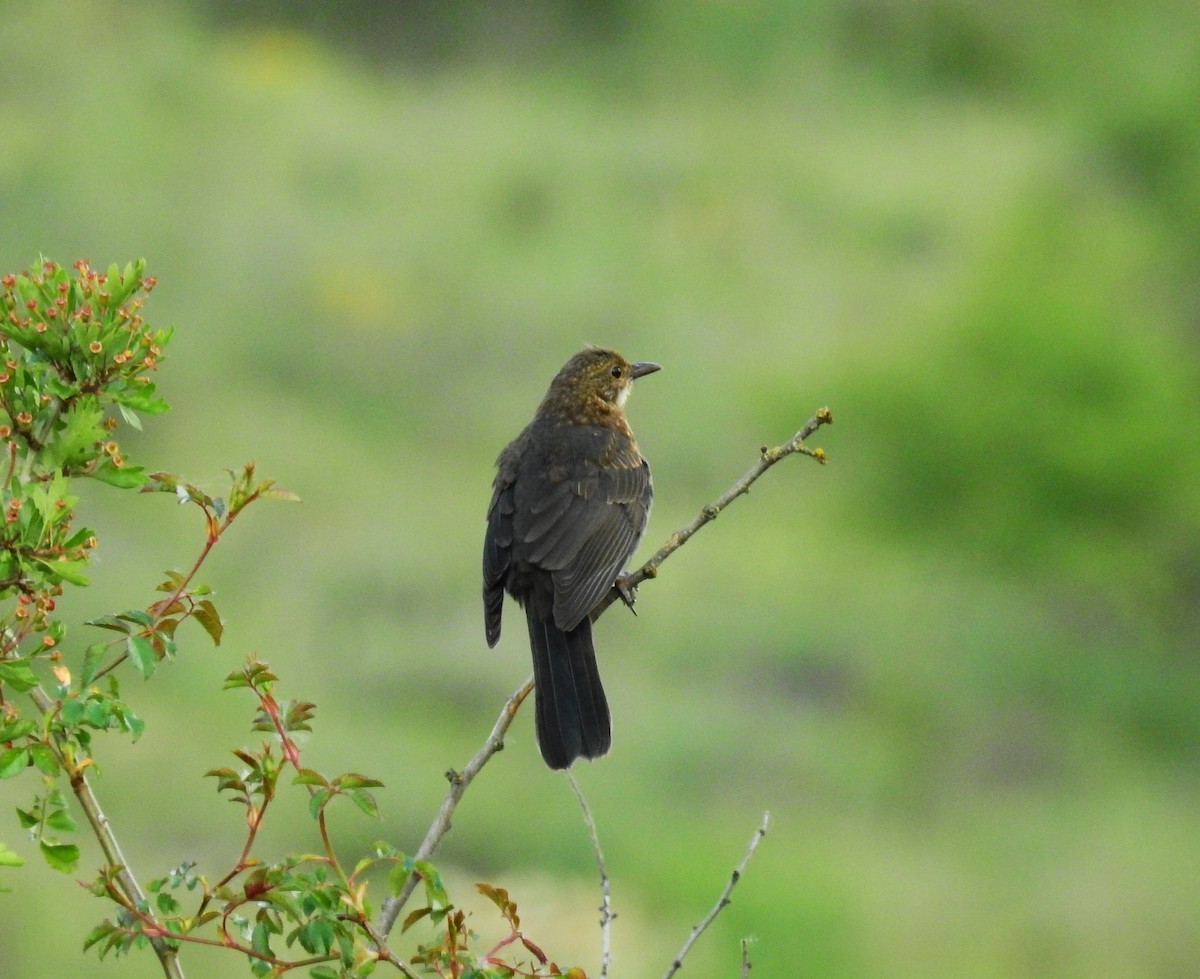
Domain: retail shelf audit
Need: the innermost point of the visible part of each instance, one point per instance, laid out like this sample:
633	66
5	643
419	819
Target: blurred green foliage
958	664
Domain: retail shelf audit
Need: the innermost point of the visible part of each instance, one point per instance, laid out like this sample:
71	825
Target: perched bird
569	504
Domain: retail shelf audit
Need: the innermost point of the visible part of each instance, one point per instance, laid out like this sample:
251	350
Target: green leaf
141	398
91	662
18	675
317	801
398	877
13	762
60	820
141	651
64	570
10	859
16	729
130	416
260	938
122	477
352	780
365	801
307	776
97	713
98	934
109	622
75	442
60	856
128	720
44	758
73	711
138	616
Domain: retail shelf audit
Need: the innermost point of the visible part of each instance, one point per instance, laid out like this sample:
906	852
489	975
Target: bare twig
722	901
606	912
767	458
745	958
458	785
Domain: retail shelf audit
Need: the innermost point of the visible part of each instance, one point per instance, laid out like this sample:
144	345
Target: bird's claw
627	591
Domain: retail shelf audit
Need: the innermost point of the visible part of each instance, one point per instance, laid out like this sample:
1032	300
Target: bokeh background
959	664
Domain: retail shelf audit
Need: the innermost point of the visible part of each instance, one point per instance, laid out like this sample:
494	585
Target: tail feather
571	710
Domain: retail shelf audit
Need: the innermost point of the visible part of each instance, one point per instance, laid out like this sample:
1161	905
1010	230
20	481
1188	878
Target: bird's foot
627	591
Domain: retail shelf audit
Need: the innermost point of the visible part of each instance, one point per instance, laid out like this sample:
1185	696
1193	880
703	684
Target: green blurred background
959	664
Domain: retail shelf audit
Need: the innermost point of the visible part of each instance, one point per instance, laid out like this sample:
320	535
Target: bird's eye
616	371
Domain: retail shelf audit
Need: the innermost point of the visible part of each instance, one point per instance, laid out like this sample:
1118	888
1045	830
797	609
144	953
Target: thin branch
723	900
745	958
767	458
495	741
458	785
606	912
168	955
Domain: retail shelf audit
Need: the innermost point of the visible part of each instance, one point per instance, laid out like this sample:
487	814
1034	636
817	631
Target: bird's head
596	373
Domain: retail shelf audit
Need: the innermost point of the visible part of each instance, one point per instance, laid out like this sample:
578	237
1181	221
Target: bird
570	502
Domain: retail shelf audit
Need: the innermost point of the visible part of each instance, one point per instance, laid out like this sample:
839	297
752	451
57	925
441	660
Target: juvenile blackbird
569	504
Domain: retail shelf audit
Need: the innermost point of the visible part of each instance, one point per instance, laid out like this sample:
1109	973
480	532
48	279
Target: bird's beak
644	368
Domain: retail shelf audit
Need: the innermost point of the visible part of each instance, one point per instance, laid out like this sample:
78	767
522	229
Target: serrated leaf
13	762
137	616
60	820
17	675
98	934
307	776
365	801
61	856
92	657
141	651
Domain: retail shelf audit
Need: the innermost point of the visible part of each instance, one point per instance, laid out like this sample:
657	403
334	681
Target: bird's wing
497	553
583	526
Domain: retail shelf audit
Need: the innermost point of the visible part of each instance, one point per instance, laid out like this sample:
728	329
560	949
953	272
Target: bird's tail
572	714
